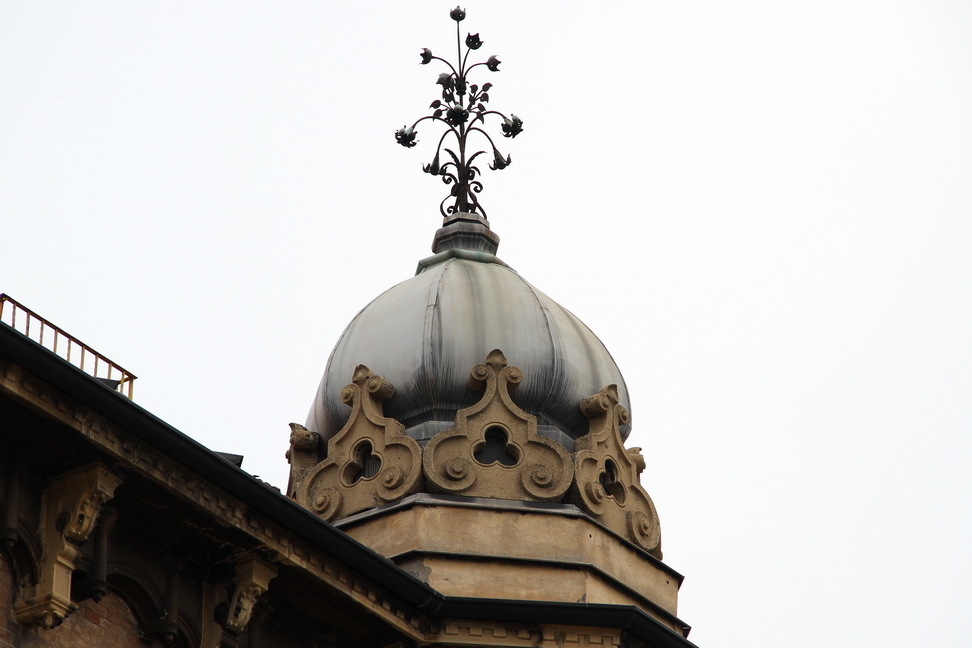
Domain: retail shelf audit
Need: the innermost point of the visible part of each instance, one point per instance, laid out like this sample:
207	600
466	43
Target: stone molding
485	633
499	550
520	465
607	485
370	461
71	503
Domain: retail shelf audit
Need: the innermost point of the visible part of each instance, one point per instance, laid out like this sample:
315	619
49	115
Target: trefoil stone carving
607	485
494	449
369	461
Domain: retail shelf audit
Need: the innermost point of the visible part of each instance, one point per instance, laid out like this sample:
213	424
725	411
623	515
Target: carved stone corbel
71	504
607	485
494	450
253	576
369	462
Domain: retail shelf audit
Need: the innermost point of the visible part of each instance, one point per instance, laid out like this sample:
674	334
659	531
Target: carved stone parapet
71	504
370	461
607	484
494	450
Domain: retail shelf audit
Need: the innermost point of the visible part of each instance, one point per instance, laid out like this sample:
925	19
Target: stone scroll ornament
494	450
369	462
607	484
463	110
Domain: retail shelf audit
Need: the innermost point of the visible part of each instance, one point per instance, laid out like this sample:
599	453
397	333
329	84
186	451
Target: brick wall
109	624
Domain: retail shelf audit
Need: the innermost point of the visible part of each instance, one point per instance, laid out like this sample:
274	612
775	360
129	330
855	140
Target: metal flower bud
457	14
406	136
498	161
426	56
456	115
512	126
493	64
445	80
434	167
473	41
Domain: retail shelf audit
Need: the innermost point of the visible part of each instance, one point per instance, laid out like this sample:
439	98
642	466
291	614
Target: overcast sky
763	209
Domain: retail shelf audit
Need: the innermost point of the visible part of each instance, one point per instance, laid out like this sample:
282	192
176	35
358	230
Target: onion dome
426	333
465	397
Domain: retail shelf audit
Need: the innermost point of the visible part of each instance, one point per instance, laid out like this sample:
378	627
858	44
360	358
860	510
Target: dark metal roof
425	334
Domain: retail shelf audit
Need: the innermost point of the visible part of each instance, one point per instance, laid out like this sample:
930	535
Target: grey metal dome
426	334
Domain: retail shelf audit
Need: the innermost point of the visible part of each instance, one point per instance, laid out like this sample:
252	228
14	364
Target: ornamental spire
463	110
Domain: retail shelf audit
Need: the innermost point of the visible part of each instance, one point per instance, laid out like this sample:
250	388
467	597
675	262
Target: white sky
762	208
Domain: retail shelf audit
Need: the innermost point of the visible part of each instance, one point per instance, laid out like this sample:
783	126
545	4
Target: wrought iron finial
463	110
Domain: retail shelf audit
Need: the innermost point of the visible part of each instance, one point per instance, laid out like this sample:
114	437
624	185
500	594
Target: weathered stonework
518	550
71	503
302	456
106	624
543	636
607	485
494	450
253	576
369	462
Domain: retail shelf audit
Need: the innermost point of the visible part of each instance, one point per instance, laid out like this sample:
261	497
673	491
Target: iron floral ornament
463	111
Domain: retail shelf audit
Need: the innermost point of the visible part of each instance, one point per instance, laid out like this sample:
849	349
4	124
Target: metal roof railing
55	339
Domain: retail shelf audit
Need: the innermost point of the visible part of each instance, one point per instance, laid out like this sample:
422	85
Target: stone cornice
285	547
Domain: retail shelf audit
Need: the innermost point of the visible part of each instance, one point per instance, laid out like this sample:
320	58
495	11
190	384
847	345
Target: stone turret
471	430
